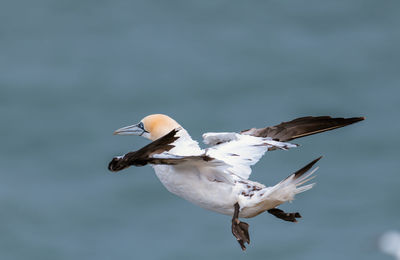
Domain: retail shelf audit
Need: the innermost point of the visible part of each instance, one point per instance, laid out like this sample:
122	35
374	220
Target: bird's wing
144	155
245	149
301	127
239	151
157	153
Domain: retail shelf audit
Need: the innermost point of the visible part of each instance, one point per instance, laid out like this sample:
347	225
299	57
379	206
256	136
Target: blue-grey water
71	72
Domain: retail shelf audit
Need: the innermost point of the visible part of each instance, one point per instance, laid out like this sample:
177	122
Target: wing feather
142	156
240	151
301	127
156	153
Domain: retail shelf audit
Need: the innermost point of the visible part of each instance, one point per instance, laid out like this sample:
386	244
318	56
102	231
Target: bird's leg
240	229
285	216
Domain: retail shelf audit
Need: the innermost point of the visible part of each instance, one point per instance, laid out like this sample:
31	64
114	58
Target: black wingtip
116	165
355	119
112	164
306	168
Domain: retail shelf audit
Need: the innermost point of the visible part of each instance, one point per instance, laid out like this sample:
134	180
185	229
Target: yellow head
152	127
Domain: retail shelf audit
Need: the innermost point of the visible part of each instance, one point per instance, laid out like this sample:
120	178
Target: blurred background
71	72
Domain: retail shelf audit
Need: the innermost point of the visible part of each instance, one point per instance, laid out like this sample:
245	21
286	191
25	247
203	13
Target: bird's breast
189	183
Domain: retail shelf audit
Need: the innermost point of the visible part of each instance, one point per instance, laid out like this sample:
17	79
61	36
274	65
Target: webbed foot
292	217
240	229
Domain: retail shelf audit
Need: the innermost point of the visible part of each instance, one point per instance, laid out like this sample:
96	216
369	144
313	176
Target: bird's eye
141	125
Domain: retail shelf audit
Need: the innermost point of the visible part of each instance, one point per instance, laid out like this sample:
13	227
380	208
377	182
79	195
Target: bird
216	178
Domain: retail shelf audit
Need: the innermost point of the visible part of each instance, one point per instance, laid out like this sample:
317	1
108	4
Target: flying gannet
217	177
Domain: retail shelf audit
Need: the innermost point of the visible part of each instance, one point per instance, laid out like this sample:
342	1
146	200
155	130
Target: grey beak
130	130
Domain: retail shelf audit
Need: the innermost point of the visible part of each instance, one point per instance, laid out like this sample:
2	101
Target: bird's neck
185	145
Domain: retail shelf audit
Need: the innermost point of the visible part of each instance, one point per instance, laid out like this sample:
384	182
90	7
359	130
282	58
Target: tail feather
271	197
293	184
299	173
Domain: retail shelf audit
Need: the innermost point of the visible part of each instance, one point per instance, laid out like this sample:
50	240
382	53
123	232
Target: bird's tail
293	184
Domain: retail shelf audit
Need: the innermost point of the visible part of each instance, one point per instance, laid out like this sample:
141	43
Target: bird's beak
130	130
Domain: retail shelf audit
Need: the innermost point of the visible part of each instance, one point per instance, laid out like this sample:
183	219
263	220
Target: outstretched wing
156	153
144	155
243	150
301	127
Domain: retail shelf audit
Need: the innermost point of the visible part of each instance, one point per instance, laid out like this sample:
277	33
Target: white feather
240	151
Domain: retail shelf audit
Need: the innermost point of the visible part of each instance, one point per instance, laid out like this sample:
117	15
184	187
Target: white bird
216	178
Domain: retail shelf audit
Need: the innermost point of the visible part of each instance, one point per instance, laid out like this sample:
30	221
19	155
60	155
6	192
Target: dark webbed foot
292	217
240	229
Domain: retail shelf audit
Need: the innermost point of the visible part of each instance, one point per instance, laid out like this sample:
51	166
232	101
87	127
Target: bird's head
151	127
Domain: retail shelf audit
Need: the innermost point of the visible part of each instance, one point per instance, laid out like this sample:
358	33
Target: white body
217	185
